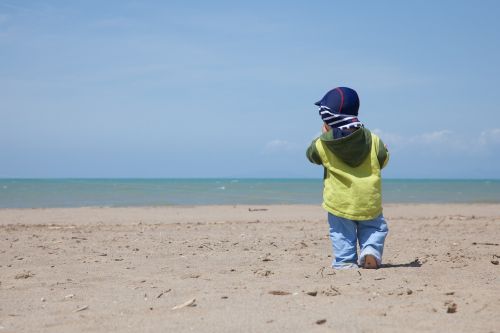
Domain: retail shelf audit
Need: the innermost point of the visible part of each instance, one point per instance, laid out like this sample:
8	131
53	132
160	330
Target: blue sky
226	89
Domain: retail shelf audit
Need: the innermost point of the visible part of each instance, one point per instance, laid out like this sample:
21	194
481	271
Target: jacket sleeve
382	154
313	154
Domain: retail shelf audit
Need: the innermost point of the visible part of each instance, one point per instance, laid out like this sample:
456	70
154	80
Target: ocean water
37	193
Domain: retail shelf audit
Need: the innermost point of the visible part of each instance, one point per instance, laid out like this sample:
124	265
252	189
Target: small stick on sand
279	292
163	292
82	308
191	302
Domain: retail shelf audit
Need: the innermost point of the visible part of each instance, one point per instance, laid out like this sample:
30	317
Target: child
352	158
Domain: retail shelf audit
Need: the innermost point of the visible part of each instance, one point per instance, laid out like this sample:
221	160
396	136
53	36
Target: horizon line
229	178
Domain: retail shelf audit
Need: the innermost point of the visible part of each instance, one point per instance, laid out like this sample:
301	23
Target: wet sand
248	269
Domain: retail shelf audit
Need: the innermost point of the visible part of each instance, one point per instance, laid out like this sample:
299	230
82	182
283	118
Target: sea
47	193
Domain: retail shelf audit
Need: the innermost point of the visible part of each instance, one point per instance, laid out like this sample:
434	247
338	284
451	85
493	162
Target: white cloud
278	145
491	136
443	141
442	136
390	139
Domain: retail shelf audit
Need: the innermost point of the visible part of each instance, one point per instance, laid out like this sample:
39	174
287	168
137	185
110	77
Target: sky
227	89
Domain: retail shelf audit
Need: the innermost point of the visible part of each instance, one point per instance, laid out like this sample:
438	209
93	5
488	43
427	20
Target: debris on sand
191	276
279	292
452	307
206	246
85	307
24	275
320	271
494	262
485	243
262	272
257	209
320	321
163	292
331	291
190	303
312	293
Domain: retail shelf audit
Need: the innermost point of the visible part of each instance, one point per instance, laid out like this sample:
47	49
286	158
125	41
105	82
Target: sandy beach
244	269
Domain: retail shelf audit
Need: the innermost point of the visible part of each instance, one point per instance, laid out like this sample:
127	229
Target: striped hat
339	108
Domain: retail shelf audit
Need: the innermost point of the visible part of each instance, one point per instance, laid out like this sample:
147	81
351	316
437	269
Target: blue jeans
346	233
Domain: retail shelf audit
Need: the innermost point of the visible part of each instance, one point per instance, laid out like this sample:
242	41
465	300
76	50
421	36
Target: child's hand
325	128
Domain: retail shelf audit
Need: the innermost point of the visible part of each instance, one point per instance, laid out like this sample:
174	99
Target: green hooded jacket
352	179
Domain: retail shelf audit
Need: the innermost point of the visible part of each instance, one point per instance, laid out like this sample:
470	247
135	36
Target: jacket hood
351	149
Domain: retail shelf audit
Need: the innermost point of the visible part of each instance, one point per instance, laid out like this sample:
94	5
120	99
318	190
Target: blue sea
38	193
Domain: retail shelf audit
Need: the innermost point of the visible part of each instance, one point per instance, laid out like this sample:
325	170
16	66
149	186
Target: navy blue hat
341	100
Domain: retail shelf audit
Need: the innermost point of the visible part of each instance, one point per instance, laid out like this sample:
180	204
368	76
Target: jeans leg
371	236
343	237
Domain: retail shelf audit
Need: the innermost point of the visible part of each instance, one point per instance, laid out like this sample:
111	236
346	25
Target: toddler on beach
352	158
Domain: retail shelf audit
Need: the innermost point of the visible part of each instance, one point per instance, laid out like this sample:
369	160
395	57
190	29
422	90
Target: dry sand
249	269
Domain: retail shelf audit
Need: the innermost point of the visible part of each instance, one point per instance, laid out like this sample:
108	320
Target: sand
244	269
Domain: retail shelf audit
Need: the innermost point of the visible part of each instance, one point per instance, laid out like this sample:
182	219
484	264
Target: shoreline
416	203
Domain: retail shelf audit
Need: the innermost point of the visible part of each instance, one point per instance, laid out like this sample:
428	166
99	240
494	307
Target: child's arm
312	153
382	154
